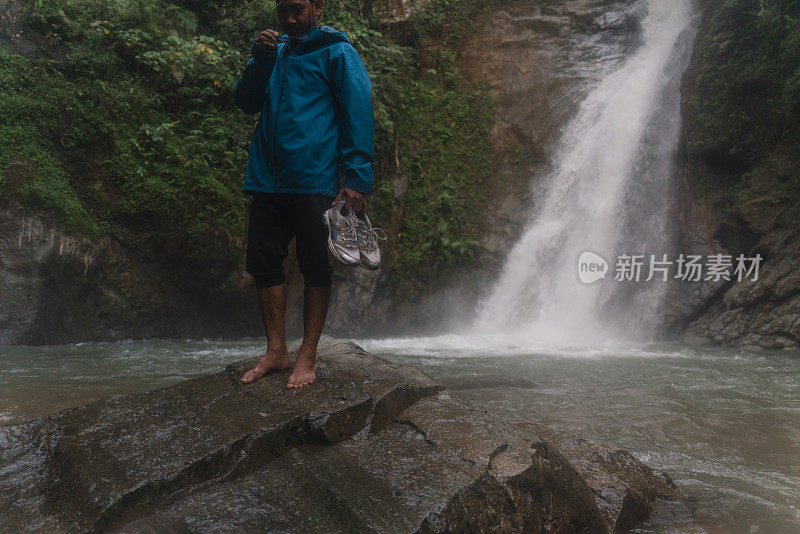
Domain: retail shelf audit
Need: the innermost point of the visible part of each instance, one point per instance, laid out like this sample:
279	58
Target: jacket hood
318	37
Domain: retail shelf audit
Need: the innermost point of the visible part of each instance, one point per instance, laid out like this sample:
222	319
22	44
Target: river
724	424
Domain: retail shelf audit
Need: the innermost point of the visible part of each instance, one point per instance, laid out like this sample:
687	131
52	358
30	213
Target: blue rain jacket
316	126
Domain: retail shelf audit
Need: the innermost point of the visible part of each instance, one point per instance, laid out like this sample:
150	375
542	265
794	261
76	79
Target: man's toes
306	381
295	383
251	375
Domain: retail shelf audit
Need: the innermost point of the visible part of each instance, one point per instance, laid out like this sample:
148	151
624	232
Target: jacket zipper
275	125
278	112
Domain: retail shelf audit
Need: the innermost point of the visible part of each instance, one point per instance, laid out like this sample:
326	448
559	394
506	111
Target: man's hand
352	198
267	40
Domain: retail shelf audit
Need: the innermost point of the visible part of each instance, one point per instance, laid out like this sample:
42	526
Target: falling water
608	194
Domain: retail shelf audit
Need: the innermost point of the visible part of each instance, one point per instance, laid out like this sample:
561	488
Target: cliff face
738	189
57	287
536	60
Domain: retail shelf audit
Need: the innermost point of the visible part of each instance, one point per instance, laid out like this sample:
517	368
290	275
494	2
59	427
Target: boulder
626	491
371	446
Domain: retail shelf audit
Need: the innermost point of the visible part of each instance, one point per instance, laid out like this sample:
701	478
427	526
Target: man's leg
272	301
315	309
312	256
268	236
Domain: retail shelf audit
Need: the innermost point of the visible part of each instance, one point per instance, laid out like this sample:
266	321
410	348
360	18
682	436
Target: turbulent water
607	195
724	424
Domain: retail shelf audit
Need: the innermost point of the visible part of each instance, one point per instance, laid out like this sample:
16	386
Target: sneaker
370	254
342	238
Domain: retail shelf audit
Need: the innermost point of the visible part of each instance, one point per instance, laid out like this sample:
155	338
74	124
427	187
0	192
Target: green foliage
745	107
437	132
448	19
30	169
444	138
748	83
151	102
124	119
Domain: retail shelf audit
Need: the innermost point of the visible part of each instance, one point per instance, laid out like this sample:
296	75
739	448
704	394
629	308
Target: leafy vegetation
747	96
123	122
744	109
445	138
30	159
449	20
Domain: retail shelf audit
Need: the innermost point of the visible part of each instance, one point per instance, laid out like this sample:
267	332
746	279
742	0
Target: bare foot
271	361
304	371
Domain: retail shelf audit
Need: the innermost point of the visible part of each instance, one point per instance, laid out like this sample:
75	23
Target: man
316	126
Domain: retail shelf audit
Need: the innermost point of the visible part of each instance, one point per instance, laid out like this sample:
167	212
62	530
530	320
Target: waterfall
607	194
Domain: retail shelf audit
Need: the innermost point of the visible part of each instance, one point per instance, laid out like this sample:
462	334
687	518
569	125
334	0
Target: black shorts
275	218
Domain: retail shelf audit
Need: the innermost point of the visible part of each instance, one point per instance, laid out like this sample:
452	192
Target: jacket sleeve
248	93
352	91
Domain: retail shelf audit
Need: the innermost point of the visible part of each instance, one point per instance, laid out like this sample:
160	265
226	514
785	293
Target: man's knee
268	236
263	280
317	275
266	269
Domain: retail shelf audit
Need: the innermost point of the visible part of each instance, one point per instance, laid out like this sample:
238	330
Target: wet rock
61	287
444	465
756	314
115	460
521	463
756	220
626	490
20	281
352	298
371	446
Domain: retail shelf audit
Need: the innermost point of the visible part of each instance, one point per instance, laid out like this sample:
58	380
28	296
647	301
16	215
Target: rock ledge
372	446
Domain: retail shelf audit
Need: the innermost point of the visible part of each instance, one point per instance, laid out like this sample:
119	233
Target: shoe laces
350	235
371	235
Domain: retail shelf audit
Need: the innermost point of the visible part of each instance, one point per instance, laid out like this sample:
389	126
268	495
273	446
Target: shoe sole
369	267
332	249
